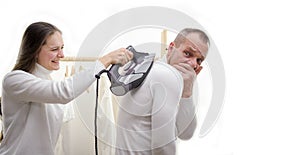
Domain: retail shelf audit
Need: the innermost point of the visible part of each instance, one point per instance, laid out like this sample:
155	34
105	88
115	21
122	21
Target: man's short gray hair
180	38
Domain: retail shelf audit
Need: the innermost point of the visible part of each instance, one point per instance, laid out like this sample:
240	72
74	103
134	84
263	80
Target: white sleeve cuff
98	67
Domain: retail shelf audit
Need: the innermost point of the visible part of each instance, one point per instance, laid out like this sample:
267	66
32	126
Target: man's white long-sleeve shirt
151	117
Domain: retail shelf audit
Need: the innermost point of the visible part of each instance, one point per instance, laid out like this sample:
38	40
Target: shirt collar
40	70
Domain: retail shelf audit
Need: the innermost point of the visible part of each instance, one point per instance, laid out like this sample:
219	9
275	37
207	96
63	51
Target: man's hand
189	75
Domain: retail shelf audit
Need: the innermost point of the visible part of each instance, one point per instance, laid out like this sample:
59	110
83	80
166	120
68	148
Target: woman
32	117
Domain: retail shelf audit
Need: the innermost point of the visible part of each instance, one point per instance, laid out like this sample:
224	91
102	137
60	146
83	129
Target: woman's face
51	52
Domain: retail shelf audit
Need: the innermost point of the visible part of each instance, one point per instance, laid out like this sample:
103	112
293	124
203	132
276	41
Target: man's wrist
186	94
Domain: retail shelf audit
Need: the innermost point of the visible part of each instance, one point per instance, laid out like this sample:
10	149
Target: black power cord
96	108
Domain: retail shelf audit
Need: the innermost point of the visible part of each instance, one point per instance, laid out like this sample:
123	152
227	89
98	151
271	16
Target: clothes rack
69	58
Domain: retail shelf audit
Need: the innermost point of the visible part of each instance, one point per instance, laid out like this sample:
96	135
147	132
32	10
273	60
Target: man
151	117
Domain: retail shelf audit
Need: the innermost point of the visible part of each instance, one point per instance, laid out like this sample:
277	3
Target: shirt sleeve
186	121
28	88
166	88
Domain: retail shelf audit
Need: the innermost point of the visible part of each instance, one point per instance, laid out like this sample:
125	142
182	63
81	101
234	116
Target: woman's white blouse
31	114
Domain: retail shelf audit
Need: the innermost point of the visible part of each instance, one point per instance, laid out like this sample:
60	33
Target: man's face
191	51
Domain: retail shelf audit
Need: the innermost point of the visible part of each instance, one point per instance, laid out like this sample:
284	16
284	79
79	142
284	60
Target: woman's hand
120	56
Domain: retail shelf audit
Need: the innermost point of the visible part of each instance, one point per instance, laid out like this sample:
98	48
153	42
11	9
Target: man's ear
172	44
170	48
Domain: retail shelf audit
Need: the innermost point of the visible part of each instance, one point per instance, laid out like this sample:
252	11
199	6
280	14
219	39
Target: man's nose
193	63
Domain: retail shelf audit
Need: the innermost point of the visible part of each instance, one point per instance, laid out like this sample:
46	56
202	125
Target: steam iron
132	74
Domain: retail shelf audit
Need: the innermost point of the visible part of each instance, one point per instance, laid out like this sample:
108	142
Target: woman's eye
56	49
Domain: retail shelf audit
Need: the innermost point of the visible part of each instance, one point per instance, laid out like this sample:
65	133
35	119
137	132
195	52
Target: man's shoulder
165	72
164	68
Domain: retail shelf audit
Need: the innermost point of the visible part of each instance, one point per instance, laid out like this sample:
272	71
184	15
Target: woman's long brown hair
34	38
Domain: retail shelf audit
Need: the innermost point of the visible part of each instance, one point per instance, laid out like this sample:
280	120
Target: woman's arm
29	88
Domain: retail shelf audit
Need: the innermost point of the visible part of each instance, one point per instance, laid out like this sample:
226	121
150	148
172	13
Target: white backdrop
259	44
